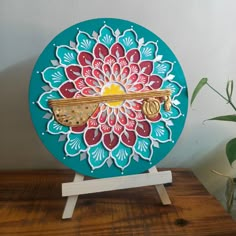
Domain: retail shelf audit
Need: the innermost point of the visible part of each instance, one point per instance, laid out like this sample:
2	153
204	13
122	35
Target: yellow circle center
112	89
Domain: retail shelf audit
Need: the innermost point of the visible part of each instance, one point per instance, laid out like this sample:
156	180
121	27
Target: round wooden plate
102	57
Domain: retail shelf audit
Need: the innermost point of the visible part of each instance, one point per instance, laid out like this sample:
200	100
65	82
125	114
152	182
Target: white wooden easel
73	189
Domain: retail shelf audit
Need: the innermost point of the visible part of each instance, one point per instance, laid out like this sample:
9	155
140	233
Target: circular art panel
107	58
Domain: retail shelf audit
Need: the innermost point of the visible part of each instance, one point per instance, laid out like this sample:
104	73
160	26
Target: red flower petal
143	128
92	123
99	74
110	140
130	124
127	104
73	72
79	129
122	118
103	107
143	79
128	138
146	88
118	128
88	91
107	70
123	62
109	110
146	67
68	90
116	69
117	50
130	113
122	109
92	82
78	95
112	78
102	118
92	136
79	83
136	106
136	87
112	119
97	63
116	111
85	58
87	71
133	78
140	115
134	69
155	81
133	55
125	72
105	128
95	113
100	51
110	60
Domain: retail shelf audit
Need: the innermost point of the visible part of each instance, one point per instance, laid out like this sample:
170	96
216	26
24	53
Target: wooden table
31	205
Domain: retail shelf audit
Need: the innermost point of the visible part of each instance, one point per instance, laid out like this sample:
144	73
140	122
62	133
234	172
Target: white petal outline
123	35
129	159
68	58
53	68
141	155
178	85
162	141
40	97
77	153
172	117
56	126
104	161
100	33
88	36
144	46
167	73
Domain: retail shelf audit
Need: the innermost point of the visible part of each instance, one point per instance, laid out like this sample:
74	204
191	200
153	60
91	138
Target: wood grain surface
31	205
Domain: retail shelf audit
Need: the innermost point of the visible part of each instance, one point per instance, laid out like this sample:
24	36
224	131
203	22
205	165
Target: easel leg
161	189
71	200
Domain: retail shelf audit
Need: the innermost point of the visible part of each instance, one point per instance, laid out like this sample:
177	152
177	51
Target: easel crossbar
116	183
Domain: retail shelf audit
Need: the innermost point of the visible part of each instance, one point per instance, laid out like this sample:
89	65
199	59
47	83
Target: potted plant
231	145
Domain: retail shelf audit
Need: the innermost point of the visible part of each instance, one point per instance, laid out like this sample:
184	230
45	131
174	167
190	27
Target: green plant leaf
225	118
229	193
231	151
199	86
229	89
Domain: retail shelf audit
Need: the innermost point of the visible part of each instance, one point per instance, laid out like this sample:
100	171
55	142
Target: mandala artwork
108	57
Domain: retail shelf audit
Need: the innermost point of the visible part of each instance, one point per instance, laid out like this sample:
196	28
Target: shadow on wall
20	146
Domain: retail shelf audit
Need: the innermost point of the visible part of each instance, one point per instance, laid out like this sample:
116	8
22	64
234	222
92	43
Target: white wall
200	32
